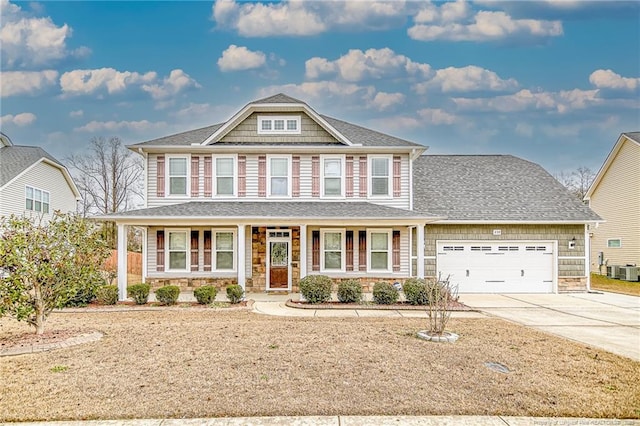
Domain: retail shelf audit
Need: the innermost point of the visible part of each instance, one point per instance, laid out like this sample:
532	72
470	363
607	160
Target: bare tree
577	181
109	179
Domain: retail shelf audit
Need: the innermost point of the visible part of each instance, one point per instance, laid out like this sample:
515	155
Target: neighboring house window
380	176
332	243
379	247
278	125
223	246
178	172
279	170
178	247
225	176
37	200
332	176
614	243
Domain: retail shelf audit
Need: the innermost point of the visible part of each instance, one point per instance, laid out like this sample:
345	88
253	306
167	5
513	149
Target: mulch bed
400	306
31	338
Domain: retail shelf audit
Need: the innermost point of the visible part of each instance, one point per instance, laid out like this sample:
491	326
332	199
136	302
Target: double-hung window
177	253
333	249
380	176
379	249
36	200
223	245
178	176
225	176
332	177
279	176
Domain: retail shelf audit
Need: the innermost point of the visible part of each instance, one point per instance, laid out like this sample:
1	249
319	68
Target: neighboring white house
279	192
33	183
615	196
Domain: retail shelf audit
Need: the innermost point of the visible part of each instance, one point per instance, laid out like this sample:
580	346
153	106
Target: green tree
43	265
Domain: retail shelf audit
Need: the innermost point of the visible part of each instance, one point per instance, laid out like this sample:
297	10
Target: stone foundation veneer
572	284
189	284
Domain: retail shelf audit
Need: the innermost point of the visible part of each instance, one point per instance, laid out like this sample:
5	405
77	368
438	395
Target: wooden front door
279	259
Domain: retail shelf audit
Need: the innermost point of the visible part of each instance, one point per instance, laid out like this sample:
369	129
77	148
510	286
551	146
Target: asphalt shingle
16	159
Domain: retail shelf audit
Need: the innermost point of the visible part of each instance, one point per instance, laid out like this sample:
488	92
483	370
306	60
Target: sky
554	82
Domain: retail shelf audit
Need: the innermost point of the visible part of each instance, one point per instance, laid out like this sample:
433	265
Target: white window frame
370	176
289	175
343	249
234	159
187	158
614	239
389	233
214	251
273	118
323	158
167	248
34	199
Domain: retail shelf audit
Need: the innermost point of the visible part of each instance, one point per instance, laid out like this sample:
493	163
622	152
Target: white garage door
497	266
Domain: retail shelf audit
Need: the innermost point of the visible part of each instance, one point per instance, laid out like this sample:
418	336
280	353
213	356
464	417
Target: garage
498	266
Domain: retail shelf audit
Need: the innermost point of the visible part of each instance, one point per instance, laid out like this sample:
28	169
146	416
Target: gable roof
16	159
632	137
344	132
493	188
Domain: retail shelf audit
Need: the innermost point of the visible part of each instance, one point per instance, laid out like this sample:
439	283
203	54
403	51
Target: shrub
316	288
349	291
384	293
139	293
205	294
416	291
168	295
234	293
107	295
85	293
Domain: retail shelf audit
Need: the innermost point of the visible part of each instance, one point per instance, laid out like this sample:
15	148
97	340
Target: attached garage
498	266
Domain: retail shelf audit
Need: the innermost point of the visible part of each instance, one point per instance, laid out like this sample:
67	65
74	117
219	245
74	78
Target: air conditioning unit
628	273
612	271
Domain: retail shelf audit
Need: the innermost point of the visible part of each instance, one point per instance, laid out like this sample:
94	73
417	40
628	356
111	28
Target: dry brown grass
601	282
207	363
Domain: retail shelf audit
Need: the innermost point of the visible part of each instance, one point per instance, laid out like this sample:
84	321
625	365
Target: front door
279	260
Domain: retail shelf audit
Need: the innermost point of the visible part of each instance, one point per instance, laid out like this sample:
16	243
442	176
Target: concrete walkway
607	321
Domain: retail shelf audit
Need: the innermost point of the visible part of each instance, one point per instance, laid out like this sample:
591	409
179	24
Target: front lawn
211	363
602	282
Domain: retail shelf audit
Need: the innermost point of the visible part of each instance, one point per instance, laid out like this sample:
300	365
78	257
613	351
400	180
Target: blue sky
554	82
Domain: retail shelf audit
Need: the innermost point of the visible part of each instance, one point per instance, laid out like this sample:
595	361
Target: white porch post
122	262
144	254
587	255
303	251
241	256
420	249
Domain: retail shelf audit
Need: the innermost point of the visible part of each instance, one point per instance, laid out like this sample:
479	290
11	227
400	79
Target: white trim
240	256
342	232
285	119
167	173
389	232
269	240
122	262
214	175
420	250
167	249
145	254
63	169
303	251
289	175
234	251
342	160
587	256
614	239
370	176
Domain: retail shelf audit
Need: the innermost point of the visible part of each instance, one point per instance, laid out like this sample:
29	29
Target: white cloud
15	83
399	122
357	65
383	101
177	82
524	129
454	22
192	110
307	18
466	79
110	126
436	116
320	90
20	120
607	79
239	58
76	114
31	41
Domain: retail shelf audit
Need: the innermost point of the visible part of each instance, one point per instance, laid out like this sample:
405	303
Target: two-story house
280	191
33	183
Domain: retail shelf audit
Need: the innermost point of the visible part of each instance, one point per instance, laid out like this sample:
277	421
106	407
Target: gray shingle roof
633	135
282	209
16	159
356	134
492	188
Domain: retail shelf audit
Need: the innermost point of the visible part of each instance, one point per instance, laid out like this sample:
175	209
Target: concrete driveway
604	320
